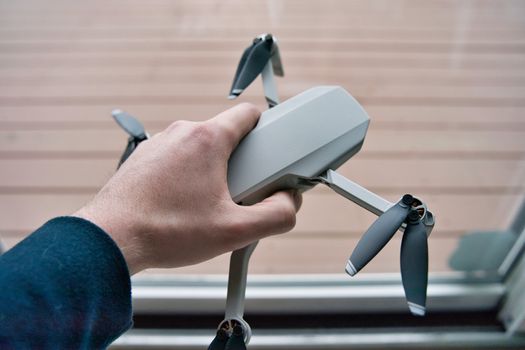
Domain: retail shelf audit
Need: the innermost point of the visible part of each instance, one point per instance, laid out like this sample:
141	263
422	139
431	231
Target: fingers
276	214
236	122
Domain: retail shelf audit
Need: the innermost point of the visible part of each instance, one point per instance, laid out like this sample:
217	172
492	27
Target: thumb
276	214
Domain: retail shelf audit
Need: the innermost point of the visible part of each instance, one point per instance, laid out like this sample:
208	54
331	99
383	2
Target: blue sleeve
66	286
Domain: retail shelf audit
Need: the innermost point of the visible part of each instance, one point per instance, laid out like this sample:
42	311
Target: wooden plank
56	174
294	59
377	140
288	89
253	25
296	13
310	255
100	115
323	214
343	75
216	99
441	175
444	113
296	5
225	44
199	16
301	45
298	79
31	7
283	30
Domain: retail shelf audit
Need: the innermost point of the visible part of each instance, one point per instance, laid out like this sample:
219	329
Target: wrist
124	234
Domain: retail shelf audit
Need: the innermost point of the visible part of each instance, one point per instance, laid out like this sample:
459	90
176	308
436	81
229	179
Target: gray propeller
236	341
220	340
378	235
414	249
135	130
263	50
414	263
232	339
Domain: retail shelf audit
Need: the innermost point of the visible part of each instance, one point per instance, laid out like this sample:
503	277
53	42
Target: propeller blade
219	342
251	64
414	264
130	124
236	341
378	235
240	67
132	144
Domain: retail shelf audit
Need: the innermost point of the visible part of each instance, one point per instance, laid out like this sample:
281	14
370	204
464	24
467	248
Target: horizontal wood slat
290	32
439	175
512	94
376	140
58	116
303	45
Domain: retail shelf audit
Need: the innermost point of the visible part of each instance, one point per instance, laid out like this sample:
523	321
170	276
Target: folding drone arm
236	293
367	199
269	86
274	66
354	192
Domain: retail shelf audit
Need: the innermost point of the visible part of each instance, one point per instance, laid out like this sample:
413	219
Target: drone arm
237	281
355	192
365	198
269	85
237	292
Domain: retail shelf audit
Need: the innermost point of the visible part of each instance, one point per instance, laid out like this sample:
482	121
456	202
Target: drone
298	144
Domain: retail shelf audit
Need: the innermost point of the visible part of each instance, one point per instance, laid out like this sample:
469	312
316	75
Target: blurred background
442	81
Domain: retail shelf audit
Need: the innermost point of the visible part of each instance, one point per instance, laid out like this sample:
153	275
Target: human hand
169	205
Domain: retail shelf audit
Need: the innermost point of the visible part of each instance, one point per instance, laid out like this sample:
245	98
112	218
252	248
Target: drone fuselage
297	141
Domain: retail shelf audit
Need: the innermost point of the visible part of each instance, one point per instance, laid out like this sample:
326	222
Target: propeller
135	130
378	235
253	61
414	249
236	341
414	263
220	340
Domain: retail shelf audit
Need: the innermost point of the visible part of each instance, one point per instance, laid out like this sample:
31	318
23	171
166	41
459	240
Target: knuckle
177	125
288	217
249	108
203	134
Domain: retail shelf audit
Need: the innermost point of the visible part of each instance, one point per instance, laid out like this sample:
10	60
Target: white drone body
295	141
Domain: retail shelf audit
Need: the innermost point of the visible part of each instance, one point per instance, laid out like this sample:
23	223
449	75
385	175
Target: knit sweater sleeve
66	286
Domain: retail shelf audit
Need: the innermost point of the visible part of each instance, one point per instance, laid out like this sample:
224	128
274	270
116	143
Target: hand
169	205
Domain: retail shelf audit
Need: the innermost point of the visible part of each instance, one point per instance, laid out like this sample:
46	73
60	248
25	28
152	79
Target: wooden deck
443	82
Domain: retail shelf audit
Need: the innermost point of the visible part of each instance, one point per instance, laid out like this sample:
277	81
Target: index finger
236	122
